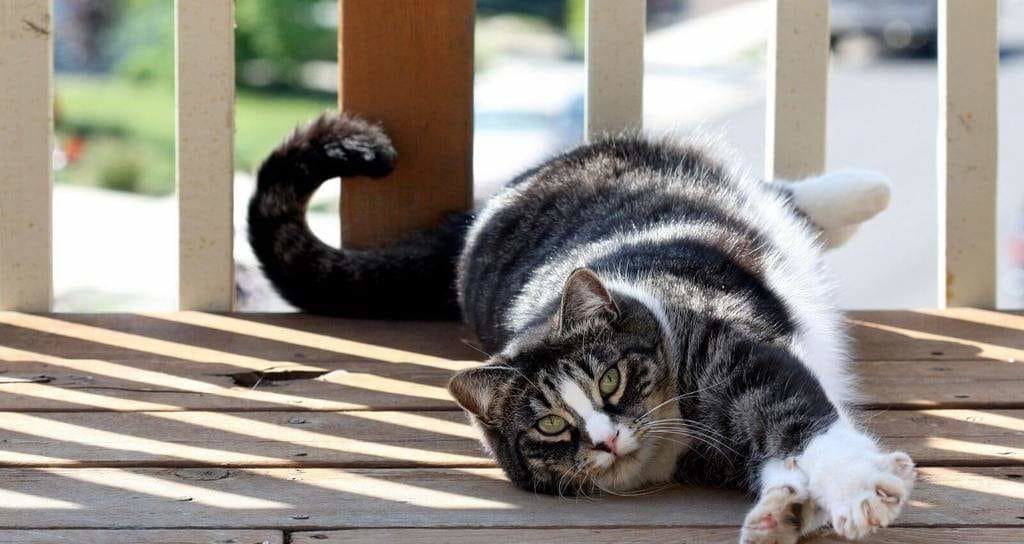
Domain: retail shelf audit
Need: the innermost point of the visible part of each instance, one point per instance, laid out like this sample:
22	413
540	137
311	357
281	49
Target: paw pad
765	523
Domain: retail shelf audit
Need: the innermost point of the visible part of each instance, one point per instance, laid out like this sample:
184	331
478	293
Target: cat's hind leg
784	510
839	202
859	487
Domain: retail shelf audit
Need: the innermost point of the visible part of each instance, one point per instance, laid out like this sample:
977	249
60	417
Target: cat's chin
650	465
626	473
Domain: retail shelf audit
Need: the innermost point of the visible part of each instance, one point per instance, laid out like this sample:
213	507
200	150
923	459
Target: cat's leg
858	486
774	409
784	510
839	202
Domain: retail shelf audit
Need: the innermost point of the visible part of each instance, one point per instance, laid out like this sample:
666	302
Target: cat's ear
585	300
475	388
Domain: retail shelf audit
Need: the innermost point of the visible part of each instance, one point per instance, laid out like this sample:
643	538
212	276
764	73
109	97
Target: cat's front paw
777	518
859	488
871	495
866	493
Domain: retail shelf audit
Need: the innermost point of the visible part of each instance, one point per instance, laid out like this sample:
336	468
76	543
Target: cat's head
563	411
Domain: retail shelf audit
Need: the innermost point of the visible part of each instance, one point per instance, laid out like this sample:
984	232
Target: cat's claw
777	518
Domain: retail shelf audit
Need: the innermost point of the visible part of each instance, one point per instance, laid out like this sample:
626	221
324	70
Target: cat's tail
411	279
839	202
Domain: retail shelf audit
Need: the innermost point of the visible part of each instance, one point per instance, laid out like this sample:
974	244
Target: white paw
868	494
859	488
777	518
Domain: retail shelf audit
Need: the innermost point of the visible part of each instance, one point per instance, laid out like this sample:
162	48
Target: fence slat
615	65
408	65
26	144
797	89
205	40
967	154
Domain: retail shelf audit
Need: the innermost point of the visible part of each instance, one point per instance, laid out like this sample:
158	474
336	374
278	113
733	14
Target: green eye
551	425
609	381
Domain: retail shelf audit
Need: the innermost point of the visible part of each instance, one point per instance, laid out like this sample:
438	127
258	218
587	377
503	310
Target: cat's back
586	201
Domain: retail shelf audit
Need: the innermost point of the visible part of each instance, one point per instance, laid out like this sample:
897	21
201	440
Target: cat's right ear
585	300
476	388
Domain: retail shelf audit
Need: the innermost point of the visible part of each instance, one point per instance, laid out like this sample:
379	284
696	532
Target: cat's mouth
609	462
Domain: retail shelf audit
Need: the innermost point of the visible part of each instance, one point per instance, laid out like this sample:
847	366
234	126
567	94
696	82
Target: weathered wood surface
402	439
252	339
26	151
614	63
798	51
296	423
968	150
204	152
151	536
32	382
256	439
409	66
28	384
633	535
365	498
198	361
242	340
961	333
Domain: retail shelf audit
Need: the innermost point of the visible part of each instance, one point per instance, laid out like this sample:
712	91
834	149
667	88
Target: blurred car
899	24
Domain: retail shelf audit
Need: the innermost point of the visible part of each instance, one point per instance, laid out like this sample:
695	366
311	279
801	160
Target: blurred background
115	217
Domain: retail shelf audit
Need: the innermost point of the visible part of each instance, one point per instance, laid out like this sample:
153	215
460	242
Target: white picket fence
797	97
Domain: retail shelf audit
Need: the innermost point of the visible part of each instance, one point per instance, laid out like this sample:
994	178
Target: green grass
129	130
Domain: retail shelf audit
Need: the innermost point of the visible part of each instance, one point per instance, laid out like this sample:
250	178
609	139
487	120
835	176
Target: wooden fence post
408	65
26	147
968	148
205	52
798	52
615	65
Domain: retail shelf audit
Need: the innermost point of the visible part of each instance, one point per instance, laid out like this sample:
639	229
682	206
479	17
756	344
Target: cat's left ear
585	300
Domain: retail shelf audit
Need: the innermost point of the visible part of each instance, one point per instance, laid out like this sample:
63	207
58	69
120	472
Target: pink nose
610	445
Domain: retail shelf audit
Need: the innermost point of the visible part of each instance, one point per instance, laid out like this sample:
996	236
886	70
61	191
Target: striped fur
696	293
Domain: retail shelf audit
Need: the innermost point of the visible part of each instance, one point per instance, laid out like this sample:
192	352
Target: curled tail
411	279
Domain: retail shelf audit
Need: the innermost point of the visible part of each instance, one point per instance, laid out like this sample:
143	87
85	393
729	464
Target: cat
652	317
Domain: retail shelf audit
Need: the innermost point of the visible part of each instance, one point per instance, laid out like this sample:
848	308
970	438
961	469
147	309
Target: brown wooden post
408	65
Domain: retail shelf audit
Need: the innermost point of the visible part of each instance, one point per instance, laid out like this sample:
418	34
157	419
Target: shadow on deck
191	427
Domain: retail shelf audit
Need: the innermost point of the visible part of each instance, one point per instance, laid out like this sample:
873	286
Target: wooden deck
197	428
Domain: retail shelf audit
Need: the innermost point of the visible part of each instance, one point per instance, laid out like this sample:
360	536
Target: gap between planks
315	499
403	439
638	535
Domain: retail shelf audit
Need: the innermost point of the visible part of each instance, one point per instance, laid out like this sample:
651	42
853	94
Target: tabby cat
654	317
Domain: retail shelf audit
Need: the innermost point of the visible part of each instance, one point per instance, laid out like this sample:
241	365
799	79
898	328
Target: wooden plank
615	66
408	65
261	439
243	340
403	439
205	86
252	339
26	146
968	150
194	352
32	382
638	535
198	361
940	384
797	89
323	498
952	437
152	536
952	334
